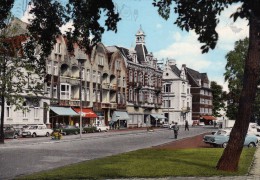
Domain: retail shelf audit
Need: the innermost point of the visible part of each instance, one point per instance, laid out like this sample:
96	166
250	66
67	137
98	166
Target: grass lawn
149	163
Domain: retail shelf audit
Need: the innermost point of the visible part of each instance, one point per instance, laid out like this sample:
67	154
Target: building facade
177	98
201	96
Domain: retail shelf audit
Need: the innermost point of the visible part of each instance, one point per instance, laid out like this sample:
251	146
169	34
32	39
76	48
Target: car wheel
64	133
99	130
76	132
224	145
250	145
33	135
15	136
47	134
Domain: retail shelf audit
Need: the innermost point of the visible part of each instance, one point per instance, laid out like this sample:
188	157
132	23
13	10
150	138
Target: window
135	77
188	91
130	95
167	88
101	60
55	67
48	91
94	77
183	88
94	96
58	48
201	91
130	76
98	96
167	103
88	95
117	64
83	94
141	96
83	74
88	75
25	110
118	81
49	69
8	110
124	84
65	91
118	98
98	78
55	91
36	112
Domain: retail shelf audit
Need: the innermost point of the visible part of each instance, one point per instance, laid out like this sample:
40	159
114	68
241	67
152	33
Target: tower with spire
140	36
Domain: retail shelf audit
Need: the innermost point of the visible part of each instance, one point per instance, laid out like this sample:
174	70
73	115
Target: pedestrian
175	130
186	125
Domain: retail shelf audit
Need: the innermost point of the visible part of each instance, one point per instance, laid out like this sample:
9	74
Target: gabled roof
141	52
175	69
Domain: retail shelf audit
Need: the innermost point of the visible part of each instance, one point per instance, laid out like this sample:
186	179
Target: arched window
130	76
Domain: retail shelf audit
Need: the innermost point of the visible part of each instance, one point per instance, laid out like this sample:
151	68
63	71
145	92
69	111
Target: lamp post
81	61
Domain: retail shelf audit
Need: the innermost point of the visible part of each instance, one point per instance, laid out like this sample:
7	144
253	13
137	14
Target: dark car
66	130
10	132
89	129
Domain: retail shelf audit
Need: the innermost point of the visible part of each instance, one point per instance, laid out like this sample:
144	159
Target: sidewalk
255	169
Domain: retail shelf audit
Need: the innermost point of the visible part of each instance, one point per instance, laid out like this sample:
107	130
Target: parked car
165	125
101	128
10	132
221	137
37	130
65	130
89	129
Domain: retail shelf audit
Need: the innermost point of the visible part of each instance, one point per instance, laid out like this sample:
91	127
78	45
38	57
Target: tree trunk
231	155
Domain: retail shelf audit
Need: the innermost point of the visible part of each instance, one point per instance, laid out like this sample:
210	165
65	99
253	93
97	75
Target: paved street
25	156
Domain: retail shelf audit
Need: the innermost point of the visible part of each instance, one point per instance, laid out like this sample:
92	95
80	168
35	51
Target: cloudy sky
166	40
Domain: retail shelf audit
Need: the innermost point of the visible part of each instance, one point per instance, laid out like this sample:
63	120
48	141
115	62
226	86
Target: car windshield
222	132
33	127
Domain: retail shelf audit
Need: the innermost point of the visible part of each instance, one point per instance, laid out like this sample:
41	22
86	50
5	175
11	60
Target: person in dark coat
175	130
186	125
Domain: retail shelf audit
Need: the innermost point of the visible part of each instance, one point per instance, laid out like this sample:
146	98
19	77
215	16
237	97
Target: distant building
177	98
144	85
201	96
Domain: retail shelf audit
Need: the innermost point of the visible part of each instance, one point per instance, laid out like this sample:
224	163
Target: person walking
175	130
186	125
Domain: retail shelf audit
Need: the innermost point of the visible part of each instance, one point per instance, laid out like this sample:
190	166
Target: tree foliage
202	17
234	75
218	99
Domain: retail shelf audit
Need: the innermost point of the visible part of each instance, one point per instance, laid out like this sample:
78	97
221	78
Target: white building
177	99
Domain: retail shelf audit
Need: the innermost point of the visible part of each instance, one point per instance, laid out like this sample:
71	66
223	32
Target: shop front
157	119
88	116
60	116
119	120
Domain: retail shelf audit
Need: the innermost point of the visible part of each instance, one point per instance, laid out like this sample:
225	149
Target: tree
234	75
202	17
22	58
218	100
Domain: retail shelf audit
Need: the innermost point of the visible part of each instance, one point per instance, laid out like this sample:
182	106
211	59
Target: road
29	155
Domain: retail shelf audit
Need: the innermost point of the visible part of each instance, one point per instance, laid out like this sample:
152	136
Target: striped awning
64	111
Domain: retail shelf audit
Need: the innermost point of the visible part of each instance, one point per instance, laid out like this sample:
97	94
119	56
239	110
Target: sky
164	39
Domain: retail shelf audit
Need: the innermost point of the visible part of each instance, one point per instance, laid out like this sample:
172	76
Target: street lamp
81	61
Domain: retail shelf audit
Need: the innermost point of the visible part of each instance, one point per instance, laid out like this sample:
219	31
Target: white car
37	130
102	128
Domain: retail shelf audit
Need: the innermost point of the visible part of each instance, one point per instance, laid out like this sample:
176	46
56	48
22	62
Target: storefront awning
88	113
209	117
158	116
64	111
120	115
